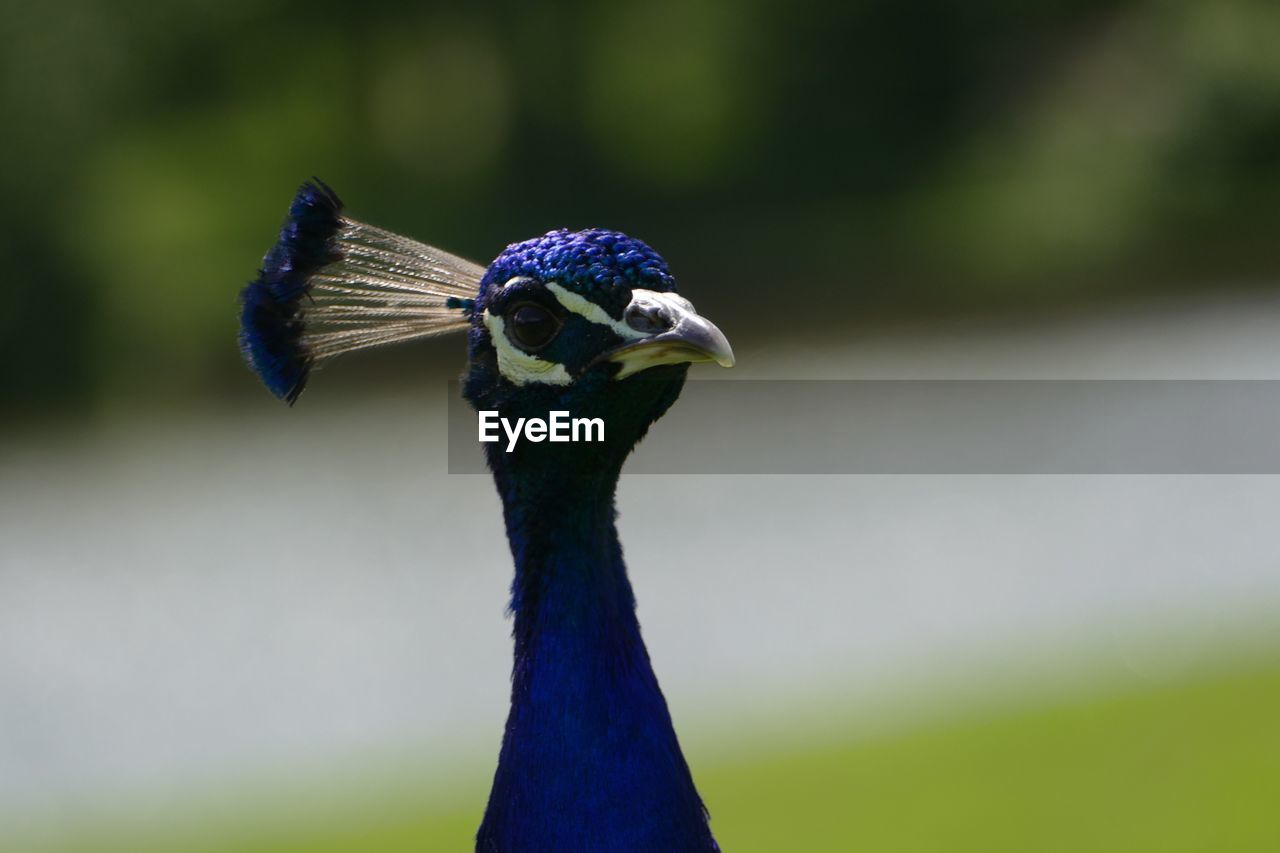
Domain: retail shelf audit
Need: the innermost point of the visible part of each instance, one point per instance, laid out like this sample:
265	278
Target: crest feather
333	285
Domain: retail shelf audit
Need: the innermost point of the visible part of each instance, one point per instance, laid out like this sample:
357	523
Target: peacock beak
673	333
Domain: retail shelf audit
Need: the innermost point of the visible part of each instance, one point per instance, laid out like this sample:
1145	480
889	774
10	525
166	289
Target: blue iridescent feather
600	264
271	322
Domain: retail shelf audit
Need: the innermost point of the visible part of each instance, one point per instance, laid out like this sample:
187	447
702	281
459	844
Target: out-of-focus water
198	598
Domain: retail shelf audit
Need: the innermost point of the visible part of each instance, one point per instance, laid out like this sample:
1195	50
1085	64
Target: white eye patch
518	366
521	368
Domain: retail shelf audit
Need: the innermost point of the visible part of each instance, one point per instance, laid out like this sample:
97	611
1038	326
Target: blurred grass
1185	766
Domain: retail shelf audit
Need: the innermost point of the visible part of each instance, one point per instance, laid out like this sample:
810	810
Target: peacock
586	322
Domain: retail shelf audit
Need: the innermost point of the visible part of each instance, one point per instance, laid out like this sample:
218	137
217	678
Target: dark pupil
532	326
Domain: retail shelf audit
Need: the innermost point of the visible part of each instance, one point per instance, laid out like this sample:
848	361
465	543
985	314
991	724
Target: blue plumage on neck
590	759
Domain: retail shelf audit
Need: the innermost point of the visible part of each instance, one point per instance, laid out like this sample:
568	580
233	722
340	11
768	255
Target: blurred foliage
1180	767
887	157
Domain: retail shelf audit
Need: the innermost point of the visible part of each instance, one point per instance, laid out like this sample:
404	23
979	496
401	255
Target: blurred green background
884	166
889	159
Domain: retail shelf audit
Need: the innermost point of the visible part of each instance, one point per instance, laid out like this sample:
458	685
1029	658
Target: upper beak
674	333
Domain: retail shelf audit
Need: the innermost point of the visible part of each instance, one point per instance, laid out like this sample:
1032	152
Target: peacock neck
590	759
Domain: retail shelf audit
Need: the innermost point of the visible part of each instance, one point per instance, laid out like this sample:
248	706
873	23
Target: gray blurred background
293	620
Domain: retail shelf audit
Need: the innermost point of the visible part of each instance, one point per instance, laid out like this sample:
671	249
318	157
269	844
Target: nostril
649	319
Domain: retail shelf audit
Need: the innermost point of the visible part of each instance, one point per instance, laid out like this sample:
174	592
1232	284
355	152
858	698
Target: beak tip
720	350
689	339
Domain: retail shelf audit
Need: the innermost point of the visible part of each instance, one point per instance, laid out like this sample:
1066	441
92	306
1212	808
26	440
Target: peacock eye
532	326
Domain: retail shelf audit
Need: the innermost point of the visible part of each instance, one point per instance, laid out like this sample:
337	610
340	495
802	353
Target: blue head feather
597	263
271	325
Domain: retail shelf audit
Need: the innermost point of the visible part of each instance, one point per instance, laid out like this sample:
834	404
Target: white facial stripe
588	310
518	366
521	368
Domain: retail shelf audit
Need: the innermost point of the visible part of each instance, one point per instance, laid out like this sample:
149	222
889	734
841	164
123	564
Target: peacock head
583	322
586	322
